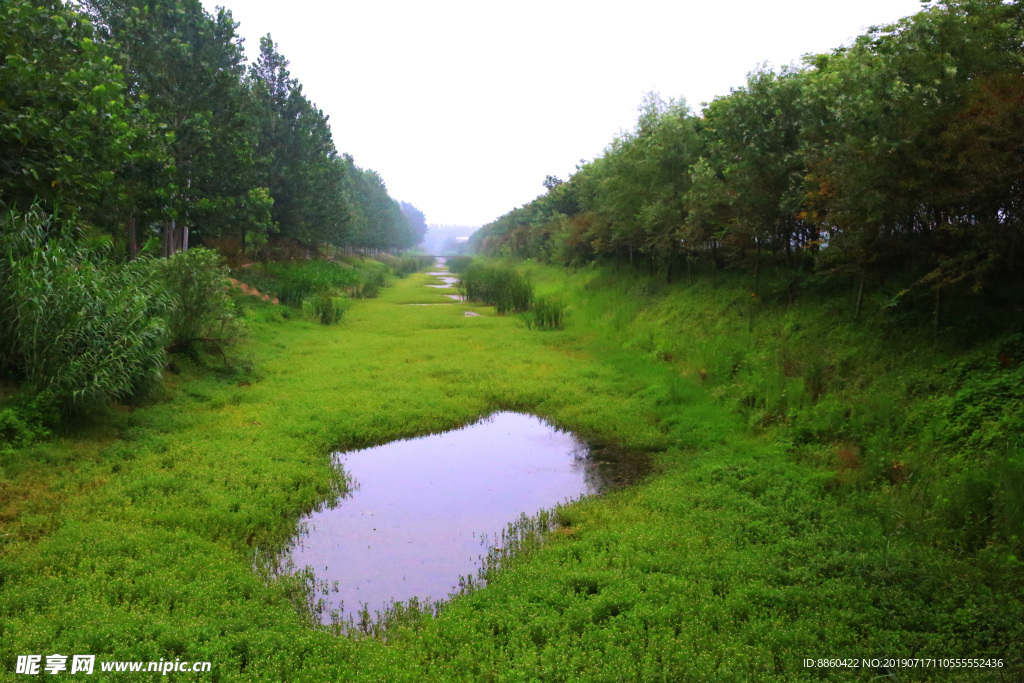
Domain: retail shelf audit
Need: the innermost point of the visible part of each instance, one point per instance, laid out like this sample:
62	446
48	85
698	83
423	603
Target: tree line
142	119
897	158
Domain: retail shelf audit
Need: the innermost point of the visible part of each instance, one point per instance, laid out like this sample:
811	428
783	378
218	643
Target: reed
77	329
547	313
458	264
508	290
410	264
326	309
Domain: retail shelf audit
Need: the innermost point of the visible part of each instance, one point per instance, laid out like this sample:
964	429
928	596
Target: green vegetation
143	119
410	264
200	311
894	161
293	281
371	283
327	309
503	287
832	394
458	264
814	473
546	313
75	329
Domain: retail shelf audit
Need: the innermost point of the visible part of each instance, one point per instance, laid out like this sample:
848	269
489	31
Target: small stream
419	512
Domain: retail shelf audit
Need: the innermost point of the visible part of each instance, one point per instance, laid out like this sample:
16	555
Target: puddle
472	314
456	297
419	512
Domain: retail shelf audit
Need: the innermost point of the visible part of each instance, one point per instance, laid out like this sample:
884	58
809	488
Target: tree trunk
860	293
133	245
168	237
668	275
938	310
757	269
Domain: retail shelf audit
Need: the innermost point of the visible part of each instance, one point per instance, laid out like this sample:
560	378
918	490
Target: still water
419	513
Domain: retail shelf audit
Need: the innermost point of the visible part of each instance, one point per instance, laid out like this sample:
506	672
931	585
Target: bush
20	425
326	309
547	313
411	264
201	309
504	288
293	281
371	282
458	264
77	329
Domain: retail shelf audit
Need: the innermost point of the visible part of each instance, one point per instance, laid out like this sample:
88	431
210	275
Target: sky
464	107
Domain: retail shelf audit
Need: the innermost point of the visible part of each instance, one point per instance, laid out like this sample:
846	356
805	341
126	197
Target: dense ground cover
784	521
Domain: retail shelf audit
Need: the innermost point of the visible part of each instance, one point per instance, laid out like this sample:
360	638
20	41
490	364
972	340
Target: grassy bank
782	523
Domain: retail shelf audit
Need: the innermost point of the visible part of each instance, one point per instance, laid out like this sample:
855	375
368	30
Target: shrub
77	329
201	309
293	281
20	425
371	282
547	313
408	265
326	309
504	288
458	264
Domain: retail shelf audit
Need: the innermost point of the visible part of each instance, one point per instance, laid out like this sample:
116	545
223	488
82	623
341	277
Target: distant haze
443	238
465	107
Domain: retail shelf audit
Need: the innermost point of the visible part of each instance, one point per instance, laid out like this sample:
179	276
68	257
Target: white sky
465	107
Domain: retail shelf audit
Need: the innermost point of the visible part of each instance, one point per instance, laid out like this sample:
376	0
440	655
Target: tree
186	66
417	222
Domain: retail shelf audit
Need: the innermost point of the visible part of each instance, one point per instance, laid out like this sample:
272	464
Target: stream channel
421	513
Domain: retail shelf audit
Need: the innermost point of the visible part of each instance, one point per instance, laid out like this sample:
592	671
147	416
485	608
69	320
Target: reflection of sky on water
412	523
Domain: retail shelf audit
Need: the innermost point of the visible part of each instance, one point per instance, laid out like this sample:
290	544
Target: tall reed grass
547	313
326	309
292	282
508	290
458	264
75	327
410	264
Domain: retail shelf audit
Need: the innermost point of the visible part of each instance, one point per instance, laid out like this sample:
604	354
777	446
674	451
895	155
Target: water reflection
411	524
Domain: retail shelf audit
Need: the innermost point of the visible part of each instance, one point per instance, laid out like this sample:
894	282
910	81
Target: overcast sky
465	107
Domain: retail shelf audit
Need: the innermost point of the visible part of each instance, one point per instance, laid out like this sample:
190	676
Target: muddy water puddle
419	513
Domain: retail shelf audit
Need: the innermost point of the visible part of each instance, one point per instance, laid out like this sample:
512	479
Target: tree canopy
143	119
897	158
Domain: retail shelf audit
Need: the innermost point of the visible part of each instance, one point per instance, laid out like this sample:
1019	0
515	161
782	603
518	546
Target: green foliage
890	160
508	290
23	424
326	309
546	313
411	263
64	124
292	282
370	283
201	309
458	264
77	329
744	553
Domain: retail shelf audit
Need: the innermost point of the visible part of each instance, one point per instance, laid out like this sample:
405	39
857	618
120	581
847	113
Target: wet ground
419	513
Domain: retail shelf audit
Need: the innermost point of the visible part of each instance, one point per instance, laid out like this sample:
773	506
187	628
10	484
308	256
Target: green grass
759	541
